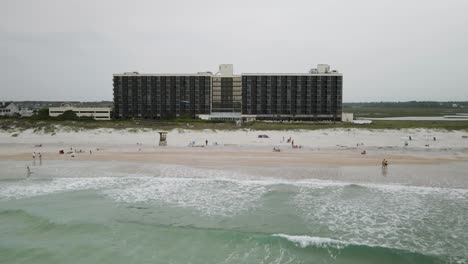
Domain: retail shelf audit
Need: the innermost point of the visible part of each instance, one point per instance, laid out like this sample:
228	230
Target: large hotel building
316	95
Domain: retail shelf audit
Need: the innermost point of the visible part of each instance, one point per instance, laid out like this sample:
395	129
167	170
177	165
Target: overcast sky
387	50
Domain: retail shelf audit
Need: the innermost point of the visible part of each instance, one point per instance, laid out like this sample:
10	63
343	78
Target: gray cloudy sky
387	49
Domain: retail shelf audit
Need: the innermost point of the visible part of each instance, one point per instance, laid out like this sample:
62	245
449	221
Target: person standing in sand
384	163
206	142
34	155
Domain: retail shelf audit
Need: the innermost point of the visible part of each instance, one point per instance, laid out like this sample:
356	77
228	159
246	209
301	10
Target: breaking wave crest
306	241
337	249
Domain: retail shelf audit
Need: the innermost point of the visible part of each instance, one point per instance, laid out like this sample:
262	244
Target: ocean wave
235	246
320	242
420	219
338	249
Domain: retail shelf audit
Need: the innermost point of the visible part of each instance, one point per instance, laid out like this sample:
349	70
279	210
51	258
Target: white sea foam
419	219
207	196
30	188
406	217
305	241
153	182
210	192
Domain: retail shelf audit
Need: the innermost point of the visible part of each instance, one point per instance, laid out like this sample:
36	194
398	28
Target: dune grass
51	126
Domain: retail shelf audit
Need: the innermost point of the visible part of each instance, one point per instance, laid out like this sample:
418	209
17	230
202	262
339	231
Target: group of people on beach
39	155
34	155
364	152
290	140
72	151
193	143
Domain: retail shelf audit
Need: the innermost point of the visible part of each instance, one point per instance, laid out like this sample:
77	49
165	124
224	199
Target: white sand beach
243	151
338	146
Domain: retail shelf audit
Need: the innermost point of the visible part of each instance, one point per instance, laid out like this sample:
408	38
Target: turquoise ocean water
99	213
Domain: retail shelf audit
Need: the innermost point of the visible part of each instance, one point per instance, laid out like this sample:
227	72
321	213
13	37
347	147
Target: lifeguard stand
162	138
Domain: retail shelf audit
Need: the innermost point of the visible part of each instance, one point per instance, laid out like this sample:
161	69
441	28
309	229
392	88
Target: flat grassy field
401	109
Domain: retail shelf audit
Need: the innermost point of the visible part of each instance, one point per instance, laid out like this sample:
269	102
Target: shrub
68	115
42	114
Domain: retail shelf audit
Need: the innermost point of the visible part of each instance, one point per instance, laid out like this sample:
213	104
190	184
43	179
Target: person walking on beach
40	158
206	142
90	152
28	170
34	155
384	163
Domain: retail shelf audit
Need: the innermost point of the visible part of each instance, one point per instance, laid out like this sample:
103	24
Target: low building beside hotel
98	113
315	95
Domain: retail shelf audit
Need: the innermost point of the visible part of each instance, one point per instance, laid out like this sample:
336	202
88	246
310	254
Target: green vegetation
68	115
42	114
50	126
381	124
397	109
43	123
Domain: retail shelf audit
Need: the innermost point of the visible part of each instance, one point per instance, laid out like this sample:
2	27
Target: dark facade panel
161	96
227	92
302	97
